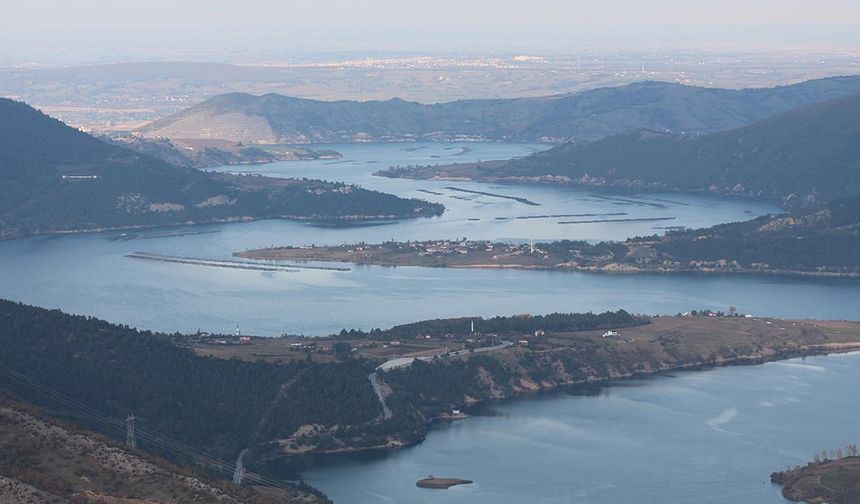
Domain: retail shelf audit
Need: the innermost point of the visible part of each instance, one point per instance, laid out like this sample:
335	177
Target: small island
441	483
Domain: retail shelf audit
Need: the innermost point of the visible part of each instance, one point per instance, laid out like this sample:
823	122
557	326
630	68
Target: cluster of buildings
311	347
464	246
205	338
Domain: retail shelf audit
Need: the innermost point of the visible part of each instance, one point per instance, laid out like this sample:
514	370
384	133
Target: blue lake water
710	436
698	437
90	274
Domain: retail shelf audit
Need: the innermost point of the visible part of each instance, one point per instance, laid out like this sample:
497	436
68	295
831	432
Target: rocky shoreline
520	384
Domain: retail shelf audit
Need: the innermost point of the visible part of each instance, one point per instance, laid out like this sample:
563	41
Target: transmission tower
129	432
239	471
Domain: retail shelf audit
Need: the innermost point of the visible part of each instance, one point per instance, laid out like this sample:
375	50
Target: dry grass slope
43	461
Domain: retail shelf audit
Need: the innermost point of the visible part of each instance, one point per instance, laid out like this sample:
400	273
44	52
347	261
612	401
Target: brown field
276	350
732	330
694	335
280	350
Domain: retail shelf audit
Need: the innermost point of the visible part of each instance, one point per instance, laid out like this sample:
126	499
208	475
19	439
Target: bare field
695	336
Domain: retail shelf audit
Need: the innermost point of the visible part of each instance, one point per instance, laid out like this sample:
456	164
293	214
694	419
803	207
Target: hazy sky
39	29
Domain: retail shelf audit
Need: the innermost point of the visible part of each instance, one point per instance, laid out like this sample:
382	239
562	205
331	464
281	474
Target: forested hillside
805	156
825	240
223	405
55	178
585	116
74	366
218	405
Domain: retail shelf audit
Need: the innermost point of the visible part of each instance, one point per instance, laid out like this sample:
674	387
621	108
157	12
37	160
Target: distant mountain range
585	116
54	178
807	155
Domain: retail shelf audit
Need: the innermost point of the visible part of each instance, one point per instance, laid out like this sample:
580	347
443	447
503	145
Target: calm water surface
706	436
89	274
700	437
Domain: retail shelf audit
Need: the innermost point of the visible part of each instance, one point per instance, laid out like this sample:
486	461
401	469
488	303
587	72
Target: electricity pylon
129	432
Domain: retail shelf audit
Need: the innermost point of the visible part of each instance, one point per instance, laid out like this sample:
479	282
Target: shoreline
364	257
831	478
605	381
639	271
434	483
230	264
561	181
209	222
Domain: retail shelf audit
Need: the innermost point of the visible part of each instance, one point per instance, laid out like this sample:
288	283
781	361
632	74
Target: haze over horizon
552	251
84	31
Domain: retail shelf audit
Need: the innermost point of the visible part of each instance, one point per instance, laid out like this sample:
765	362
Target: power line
177	448
130	441
133	432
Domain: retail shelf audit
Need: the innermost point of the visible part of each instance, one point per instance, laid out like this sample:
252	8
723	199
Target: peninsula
833	477
285	398
56	179
777	245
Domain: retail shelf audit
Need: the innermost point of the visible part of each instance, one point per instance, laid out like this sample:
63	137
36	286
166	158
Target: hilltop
577	117
57	179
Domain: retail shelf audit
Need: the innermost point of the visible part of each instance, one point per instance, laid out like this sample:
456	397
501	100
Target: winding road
407	361
374	382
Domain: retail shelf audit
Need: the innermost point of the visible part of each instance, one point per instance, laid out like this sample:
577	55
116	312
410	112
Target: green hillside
820	240
220	405
811	154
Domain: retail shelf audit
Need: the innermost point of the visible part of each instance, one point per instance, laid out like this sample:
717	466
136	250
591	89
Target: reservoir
702	436
90	274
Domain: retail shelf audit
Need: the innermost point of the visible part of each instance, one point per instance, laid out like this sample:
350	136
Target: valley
211	312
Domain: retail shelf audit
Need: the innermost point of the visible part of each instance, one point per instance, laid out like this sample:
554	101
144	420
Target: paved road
374	382
407	361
